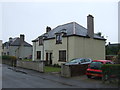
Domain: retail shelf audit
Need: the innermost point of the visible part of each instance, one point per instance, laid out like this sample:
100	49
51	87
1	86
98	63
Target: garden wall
34	65
73	70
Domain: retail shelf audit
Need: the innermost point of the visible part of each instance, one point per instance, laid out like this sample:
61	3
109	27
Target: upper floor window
58	39
40	41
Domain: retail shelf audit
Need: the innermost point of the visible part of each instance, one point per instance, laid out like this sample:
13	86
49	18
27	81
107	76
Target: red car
94	69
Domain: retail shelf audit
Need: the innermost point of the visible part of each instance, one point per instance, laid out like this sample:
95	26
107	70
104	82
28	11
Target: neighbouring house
0	47
18	47
112	50
69	41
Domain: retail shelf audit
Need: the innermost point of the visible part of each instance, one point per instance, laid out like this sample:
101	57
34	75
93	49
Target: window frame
40	41
39	55
58	38
62	55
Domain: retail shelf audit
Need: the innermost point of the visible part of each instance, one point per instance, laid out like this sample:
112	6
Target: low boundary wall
34	65
73	70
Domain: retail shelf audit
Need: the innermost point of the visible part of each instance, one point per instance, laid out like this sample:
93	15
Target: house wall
25	52
20	52
13	51
50	46
78	47
5	50
90	48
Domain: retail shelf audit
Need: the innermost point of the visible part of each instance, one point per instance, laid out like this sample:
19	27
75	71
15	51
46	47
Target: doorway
49	58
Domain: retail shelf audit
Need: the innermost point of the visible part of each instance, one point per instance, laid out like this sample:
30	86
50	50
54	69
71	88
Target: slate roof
71	28
16	42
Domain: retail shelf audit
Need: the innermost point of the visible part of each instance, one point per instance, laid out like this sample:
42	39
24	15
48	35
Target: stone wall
73	70
33	65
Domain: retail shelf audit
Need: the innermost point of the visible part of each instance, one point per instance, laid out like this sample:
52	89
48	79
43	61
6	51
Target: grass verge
52	69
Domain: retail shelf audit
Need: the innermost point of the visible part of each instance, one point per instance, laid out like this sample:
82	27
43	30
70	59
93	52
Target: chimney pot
48	29
10	39
22	38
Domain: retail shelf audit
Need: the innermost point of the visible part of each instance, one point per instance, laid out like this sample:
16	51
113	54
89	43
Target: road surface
22	78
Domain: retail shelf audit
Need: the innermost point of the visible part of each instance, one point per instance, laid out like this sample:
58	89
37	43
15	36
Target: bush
110	69
9	60
9	57
56	65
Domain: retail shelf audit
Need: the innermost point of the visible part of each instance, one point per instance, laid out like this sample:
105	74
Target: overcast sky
31	18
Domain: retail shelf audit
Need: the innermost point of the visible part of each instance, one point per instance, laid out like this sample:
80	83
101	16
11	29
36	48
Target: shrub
9	60
56	65
110	69
9	57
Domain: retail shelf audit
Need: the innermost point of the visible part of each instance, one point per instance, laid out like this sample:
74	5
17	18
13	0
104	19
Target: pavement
78	82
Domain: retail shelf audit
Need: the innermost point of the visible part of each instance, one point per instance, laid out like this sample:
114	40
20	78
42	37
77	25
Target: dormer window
40	41
58	38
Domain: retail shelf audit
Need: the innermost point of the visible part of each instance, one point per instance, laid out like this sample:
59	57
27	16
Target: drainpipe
67	49
43	50
34	51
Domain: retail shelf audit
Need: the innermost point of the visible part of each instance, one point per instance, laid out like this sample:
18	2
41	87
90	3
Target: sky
32	18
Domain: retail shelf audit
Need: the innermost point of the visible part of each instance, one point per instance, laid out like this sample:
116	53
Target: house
17	47
112	50
69	41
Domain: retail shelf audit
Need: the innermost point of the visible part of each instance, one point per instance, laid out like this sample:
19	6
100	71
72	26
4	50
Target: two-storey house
69	41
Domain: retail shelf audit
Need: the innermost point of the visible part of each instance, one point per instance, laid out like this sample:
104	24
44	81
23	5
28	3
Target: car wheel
89	76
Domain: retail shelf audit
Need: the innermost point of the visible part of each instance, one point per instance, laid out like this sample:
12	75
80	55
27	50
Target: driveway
23	78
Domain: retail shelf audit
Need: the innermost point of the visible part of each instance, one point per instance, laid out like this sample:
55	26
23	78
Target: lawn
52	69
27	60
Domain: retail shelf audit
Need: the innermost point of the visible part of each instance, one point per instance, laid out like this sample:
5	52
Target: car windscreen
96	65
74	61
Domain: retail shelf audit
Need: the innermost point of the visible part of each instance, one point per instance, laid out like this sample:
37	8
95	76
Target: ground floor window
62	55
38	54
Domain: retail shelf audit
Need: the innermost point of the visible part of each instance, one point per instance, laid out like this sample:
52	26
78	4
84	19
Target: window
38	54
82	60
40	41
7	53
109	63
62	55
59	39
87	60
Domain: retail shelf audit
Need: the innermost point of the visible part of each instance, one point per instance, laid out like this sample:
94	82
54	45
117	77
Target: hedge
9	57
9	60
110	70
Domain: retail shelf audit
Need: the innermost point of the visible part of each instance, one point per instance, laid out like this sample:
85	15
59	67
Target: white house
17	47
69	41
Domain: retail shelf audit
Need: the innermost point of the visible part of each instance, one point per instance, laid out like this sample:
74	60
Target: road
22	78
12	79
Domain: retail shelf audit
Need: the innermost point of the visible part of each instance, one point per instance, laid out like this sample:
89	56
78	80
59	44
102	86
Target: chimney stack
90	26
10	39
21	38
48	29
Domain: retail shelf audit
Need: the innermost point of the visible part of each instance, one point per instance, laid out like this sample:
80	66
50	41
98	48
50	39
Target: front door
47	58
50	58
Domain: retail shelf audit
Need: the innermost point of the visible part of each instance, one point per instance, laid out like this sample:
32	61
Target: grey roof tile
72	28
16	42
